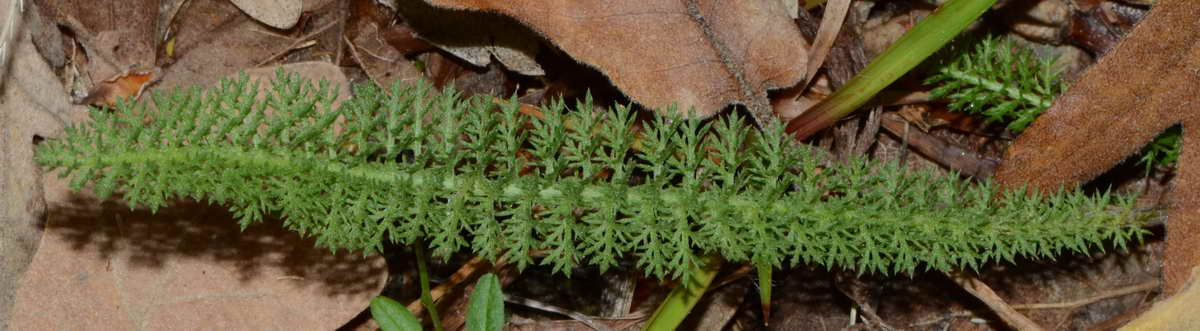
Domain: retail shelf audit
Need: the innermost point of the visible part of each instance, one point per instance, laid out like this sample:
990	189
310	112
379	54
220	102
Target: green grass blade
679	303
915	46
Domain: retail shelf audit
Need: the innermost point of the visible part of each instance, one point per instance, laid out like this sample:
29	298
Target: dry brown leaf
125	86
101	266
116	35
215	39
1145	85
33	103
701	55
476	37
280	14
831	24
366	39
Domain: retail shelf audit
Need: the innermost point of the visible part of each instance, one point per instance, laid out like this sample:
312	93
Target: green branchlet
997	79
407	164
1007	84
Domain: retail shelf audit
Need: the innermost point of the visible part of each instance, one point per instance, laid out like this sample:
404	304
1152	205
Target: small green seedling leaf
393	316
486	309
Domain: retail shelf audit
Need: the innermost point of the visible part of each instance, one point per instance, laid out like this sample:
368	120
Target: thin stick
1147	286
590	321
296	44
984	293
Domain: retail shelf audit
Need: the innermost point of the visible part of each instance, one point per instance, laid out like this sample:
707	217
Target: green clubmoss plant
408	165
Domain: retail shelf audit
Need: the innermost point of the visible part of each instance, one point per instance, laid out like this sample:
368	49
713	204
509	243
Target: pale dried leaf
831	25
32	103
280	14
1177	313
215	39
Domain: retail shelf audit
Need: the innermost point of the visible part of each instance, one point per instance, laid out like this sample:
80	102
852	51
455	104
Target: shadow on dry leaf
197	231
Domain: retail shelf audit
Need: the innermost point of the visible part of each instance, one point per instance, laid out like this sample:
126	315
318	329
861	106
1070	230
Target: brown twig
470	270
297	44
984	293
1147	286
952	156
857	290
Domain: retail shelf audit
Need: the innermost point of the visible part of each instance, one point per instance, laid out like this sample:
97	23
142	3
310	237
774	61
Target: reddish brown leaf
1148	83
701	55
126	86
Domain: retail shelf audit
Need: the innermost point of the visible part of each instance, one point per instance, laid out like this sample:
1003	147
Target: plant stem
423	275
764	292
993	85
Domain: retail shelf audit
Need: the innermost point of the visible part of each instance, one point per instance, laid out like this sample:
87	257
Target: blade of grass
915	46
679	303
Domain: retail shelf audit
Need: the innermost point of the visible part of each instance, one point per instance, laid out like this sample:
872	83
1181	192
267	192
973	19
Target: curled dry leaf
1143	86
125	86
699	54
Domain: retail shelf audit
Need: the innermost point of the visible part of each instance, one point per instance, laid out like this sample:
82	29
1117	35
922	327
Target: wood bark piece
1148	83
699	54
957	158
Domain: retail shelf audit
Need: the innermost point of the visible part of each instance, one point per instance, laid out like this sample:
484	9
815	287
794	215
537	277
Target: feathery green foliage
999	80
1007	84
408	164
1163	150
